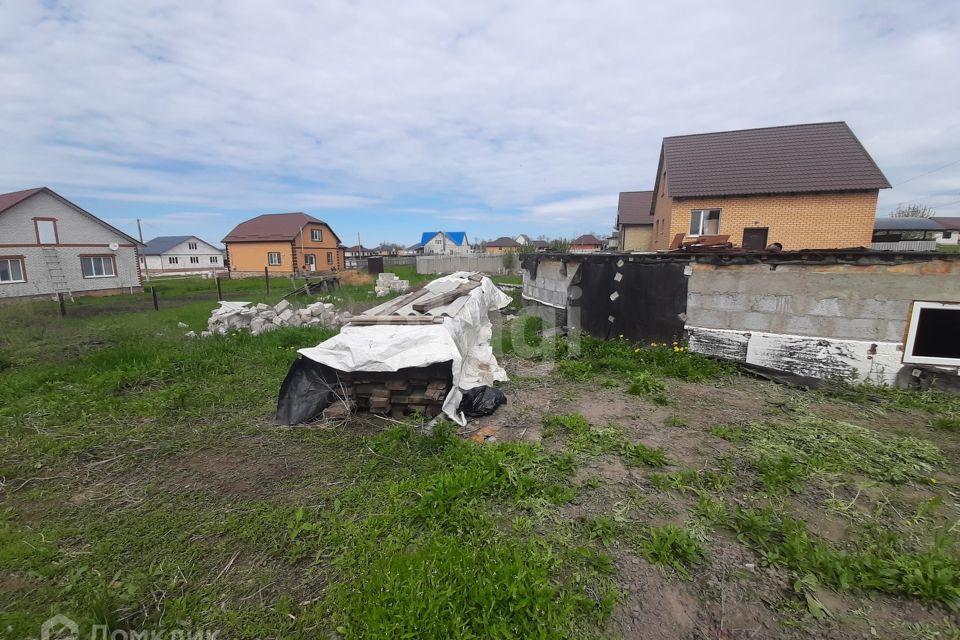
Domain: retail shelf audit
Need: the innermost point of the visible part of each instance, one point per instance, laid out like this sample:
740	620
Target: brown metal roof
799	158
947	223
272	227
588	239
634	207
7	200
503	241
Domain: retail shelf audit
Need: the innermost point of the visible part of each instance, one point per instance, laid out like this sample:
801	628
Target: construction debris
415	354
262	317
388	283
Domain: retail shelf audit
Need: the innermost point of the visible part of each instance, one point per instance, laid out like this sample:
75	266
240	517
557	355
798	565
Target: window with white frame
192	245
173	260
214	259
329	257
705	222
316	235
11	270
97	266
273	258
194	259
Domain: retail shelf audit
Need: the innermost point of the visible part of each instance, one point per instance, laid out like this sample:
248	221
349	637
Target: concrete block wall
844	301
552	283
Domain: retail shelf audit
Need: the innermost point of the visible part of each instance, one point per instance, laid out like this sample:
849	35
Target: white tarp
463	338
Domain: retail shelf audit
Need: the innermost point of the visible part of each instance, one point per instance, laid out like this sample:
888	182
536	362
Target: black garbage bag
481	401
307	390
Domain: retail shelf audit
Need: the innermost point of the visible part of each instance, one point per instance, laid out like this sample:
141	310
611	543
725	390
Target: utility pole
139	231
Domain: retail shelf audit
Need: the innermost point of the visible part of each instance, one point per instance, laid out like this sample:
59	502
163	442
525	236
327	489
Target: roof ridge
781	126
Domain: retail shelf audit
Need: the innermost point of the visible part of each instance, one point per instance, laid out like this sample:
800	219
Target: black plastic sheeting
308	389
481	401
648	302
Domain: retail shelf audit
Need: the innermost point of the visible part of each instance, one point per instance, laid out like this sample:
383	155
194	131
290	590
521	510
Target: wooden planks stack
408	391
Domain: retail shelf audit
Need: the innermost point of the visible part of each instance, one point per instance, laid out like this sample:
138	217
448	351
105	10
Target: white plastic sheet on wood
463	338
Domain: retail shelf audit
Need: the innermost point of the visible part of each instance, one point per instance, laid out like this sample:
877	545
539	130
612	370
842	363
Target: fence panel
448	264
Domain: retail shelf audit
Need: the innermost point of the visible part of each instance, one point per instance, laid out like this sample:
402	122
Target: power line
949	164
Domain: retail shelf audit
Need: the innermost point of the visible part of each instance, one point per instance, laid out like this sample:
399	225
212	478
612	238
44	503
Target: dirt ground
733	595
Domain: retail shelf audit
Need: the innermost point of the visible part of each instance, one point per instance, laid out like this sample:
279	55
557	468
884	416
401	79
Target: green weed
646	385
675	421
670	547
949	422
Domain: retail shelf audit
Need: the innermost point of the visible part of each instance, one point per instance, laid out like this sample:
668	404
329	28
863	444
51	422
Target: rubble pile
262	317
388	283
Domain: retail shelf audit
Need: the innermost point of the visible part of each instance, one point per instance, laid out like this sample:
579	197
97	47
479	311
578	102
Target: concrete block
281	306
710	318
770	303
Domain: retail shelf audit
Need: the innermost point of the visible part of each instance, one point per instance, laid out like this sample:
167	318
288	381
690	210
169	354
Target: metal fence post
156	303
219	290
266	276
63	307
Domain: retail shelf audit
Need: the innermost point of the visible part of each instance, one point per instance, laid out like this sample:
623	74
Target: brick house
634	221
502	245
284	243
48	245
587	243
807	186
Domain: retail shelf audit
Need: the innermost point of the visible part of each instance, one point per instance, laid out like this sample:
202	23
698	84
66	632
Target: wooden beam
445	298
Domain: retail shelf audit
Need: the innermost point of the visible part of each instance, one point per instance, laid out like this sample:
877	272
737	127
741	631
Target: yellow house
807	186
284	243
634	221
502	245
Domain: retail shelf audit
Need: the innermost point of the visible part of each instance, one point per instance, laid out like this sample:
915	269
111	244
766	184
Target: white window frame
316	235
173	260
912	322
704	217
23	270
215	259
274	262
194	259
192	245
103	261
329	257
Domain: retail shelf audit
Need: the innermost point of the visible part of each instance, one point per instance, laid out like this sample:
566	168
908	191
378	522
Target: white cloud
543	108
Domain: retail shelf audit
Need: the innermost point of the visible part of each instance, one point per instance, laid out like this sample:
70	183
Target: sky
387	119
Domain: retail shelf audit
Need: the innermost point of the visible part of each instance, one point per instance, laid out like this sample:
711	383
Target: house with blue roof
445	243
180	255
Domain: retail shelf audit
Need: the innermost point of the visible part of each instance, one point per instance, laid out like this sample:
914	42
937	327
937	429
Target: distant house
540	245
414	250
284	243
445	242
808	186
48	245
613	242
634	221
358	251
905	234
523	239
179	255
502	245
587	243
949	230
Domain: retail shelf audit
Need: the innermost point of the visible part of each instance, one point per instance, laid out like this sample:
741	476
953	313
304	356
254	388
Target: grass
587	440
818	445
881	562
145	485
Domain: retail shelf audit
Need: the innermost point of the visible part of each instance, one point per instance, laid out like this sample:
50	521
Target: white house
950	233
445	242
180	255
48	245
